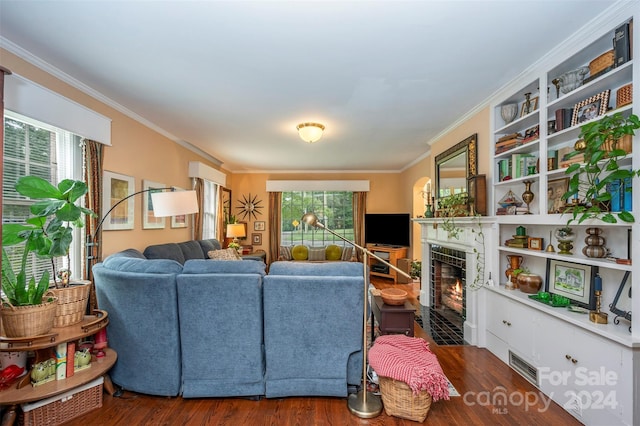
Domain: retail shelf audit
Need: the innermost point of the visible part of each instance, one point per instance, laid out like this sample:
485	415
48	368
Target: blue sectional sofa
212	328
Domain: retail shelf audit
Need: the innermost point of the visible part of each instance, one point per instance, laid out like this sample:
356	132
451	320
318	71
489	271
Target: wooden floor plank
476	373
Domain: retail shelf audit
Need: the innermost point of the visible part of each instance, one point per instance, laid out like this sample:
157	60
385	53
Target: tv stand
388	253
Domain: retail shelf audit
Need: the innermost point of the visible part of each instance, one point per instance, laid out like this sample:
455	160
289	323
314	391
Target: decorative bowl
393	296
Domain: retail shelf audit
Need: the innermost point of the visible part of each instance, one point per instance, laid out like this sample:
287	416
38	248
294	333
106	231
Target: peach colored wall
136	151
414	177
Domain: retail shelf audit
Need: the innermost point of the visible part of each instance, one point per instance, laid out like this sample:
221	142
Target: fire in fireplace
447	311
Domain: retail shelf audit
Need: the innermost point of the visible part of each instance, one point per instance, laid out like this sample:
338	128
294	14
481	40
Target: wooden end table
392	319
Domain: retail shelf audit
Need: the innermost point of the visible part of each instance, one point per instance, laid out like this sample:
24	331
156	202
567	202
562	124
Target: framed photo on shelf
591	108
116	187
149	221
256	239
259	225
555	190
535	243
571	280
533	105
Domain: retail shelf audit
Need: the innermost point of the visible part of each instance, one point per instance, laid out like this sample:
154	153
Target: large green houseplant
592	178
48	234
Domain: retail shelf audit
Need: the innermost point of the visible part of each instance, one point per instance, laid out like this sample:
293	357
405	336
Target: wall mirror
455	166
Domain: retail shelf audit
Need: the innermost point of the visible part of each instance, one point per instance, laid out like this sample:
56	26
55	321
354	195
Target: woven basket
72	303
31	320
601	62
624	95
399	400
59	410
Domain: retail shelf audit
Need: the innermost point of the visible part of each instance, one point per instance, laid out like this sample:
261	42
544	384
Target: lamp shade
310	132
235	230
174	203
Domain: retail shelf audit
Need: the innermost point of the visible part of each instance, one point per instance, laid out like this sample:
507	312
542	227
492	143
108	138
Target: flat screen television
388	229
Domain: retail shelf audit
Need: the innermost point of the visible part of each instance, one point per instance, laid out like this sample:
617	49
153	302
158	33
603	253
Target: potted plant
48	234
416	270
593	177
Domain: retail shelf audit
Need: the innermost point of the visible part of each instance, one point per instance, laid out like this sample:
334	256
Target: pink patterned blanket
410	360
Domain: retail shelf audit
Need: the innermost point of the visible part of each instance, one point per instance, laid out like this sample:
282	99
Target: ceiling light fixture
310	132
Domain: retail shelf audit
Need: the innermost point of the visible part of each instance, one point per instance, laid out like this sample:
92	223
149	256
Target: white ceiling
235	78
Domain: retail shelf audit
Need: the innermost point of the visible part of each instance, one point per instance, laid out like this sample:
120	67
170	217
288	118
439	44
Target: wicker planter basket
399	401
32	320
72	303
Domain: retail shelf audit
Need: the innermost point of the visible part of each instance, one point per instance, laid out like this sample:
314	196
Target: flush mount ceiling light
310	132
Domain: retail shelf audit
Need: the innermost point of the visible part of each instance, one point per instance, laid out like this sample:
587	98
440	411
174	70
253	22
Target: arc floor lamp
166	202
363	404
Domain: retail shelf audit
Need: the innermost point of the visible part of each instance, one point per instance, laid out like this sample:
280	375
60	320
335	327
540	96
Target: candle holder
597	316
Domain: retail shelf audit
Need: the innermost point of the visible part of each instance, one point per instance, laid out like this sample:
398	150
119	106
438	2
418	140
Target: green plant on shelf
451	207
592	179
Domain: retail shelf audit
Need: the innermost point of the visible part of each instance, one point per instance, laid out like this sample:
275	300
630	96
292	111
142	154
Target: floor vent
527	370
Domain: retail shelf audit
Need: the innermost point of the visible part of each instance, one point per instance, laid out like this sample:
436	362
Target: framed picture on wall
256	239
115	187
149	221
180	221
259	225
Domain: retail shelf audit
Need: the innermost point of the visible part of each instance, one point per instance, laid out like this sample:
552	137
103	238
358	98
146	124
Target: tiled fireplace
446	315
449	289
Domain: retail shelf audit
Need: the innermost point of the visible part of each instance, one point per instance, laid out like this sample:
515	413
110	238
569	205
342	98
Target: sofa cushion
165	251
347	253
285	253
208	245
191	250
142	266
333	252
223	267
317	269
225	254
316	253
130	252
300	252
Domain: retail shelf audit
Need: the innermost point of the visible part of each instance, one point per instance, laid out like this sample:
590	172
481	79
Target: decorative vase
570	80
527	195
429	211
508	112
565	237
529	283
514	263
595	244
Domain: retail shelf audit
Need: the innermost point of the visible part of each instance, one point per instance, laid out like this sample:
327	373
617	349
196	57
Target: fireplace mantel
474	239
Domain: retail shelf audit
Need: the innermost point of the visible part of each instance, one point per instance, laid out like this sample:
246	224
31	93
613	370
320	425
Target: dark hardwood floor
476	373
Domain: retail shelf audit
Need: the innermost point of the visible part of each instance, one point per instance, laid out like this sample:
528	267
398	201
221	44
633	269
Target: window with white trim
333	208
37	149
210	210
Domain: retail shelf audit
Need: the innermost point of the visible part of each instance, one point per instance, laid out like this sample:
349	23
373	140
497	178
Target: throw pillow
347	252
317	253
225	254
300	252
333	252
285	252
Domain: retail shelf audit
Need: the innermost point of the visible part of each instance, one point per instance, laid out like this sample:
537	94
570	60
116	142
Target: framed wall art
571	280
256	239
149	221
590	108
259	225
180	221
115	187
